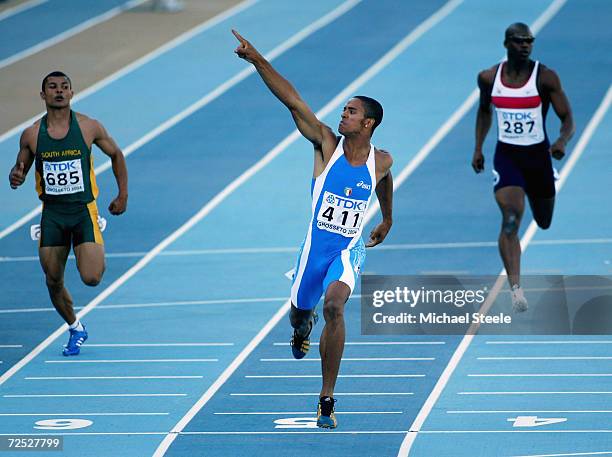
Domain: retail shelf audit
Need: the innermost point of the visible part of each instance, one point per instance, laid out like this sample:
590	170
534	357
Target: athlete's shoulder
548	78
487	76
384	160
31	132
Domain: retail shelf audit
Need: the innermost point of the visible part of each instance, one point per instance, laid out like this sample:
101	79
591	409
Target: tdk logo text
60	166
364	185
358	205
518	116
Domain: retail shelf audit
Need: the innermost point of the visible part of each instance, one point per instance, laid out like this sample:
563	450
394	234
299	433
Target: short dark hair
55	73
373	109
517	27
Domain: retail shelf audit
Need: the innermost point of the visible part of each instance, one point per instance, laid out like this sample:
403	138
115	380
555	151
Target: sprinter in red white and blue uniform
347	171
521	90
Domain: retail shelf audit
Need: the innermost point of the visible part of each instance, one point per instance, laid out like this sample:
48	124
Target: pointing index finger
238	36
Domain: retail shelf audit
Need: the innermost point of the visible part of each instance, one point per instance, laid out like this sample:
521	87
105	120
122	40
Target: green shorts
62	224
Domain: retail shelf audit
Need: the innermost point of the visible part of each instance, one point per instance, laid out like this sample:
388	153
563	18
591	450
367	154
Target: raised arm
25	158
384	193
307	123
484	118
108	146
552	86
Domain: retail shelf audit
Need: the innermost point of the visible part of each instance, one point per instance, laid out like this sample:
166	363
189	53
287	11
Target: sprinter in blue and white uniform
521	90
347	171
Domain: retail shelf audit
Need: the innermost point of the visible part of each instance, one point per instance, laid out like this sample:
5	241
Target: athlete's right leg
511	202
53	262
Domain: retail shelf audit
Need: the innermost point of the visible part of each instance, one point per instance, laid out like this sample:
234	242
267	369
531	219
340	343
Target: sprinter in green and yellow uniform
59	145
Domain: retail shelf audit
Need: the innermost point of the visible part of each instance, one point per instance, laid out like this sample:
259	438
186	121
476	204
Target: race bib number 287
341	215
63	178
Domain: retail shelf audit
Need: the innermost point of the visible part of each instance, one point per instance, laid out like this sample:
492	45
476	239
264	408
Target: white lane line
377	343
577	152
145	345
357	359
79	414
90	395
529	411
154	304
538	393
327	109
442	432
541	375
132	361
55	378
69	32
321	432
217	200
553	342
310	394
291	376
569	357
567	455
20	8
212	95
182	38
283	413
291	250
9	346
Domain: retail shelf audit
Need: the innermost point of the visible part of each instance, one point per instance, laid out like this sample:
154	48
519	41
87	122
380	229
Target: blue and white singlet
333	249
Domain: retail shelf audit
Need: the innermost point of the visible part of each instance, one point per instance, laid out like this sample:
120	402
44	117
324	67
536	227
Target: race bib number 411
62	178
341	215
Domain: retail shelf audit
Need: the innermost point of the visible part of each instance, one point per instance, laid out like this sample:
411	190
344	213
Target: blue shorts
529	167
315	271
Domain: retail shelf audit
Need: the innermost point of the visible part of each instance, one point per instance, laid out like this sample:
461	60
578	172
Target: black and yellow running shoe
300	345
326	416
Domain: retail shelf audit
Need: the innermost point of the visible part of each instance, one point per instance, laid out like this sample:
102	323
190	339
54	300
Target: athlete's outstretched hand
557	150
378	234
17	175
118	205
478	161
245	50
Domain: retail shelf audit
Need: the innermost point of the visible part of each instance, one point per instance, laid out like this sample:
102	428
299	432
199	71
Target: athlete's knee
543	222
510	222
300	319
92	278
54	283
333	309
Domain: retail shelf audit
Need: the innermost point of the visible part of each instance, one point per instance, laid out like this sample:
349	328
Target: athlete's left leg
331	345
90	262
542	210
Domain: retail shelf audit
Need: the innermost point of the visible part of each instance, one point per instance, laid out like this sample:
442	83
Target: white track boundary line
175	42
290	250
70	32
220	197
341	97
568	455
530	232
20	8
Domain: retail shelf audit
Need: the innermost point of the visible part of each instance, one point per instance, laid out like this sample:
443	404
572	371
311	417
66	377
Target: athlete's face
57	93
520	45
353	118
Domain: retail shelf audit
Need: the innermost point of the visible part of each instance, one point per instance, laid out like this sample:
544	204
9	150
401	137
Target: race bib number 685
341	215
63	178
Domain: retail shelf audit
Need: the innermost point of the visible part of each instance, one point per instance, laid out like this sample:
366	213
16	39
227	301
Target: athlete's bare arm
484	116
319	134
384	193
551	85
95	133
25	157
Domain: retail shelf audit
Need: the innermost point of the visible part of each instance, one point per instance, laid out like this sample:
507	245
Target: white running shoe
519	302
